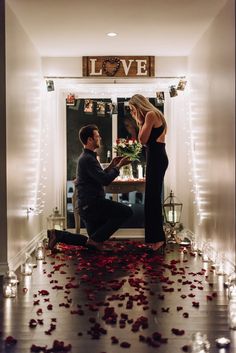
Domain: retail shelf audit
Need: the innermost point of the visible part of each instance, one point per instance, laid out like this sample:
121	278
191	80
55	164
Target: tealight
222	342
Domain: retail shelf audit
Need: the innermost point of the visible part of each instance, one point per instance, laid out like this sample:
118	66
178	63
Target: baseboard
3	268
15	262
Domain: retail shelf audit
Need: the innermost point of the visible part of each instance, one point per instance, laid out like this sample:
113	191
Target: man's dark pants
102	218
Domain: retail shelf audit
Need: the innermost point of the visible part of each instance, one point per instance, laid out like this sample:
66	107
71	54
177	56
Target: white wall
212	81
24	143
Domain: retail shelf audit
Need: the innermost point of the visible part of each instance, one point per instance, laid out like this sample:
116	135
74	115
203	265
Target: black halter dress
156	165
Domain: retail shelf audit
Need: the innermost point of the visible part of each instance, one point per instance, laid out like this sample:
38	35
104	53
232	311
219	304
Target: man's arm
103	177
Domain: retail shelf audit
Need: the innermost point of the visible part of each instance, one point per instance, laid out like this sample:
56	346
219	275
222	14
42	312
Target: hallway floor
123	300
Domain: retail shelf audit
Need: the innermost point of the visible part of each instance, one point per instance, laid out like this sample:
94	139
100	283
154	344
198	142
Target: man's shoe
93	245
52	238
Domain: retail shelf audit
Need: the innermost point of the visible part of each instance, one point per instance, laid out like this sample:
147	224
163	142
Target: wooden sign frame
118	66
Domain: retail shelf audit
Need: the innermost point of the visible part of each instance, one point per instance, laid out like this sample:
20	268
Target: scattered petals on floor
128	277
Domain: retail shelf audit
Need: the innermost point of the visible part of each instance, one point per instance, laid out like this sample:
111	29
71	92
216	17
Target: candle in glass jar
172	216
140	171
9	291
222	342
232	321
26	269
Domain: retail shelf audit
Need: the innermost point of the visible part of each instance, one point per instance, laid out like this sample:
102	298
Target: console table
122	186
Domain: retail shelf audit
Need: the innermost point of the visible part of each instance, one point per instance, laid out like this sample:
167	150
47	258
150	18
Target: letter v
125	66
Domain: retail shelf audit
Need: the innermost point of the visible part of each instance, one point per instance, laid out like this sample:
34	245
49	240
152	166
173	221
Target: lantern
56	220
39	251
172	208
10	284
27	266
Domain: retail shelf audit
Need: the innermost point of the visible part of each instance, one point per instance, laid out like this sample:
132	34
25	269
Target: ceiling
69	28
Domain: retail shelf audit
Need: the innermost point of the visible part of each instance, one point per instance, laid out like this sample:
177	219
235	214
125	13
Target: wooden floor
122	300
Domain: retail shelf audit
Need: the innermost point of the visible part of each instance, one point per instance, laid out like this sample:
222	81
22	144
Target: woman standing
152	131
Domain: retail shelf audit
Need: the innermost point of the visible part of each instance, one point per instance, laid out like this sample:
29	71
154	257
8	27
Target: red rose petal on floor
185	348
185	315
125	345
35	348
179	308
165	310
10	341
43	292
33	323
114	340
177	332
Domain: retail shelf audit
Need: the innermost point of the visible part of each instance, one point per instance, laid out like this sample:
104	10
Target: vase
126	172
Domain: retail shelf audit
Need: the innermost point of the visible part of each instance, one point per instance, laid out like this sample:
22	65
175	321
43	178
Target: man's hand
123	161
115	161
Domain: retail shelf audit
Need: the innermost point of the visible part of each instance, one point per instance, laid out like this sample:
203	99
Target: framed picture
70	99
173	91
50	85
181	85
160	97
88	106
101	108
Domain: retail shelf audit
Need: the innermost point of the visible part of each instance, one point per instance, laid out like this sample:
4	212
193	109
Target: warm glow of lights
111	34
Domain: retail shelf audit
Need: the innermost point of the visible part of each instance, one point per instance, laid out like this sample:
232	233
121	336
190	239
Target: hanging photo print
160	97
173	91
70	99
114	108
181	85
101	108
88	106
109	108
50	85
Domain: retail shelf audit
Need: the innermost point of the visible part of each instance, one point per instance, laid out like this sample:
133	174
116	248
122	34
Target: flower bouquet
128	148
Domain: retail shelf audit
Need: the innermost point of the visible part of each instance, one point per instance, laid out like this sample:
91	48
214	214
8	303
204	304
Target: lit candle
7	291
40	255
39	252
26	269
205	257
232	291
222	342
232	321
172	216
140	171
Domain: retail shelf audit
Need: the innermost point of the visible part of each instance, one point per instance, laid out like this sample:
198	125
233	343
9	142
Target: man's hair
85	132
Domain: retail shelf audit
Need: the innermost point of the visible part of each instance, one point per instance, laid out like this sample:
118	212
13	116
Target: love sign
118	66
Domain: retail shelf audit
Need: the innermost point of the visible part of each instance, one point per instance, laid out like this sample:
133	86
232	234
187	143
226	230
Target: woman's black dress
156	165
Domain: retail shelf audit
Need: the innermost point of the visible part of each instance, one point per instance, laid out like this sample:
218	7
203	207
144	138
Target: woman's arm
145	129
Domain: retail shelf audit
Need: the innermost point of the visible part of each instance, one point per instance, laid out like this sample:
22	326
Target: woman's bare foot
52	239
156	246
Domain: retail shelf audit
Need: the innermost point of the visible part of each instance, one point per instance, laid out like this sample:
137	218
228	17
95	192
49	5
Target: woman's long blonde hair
143	106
